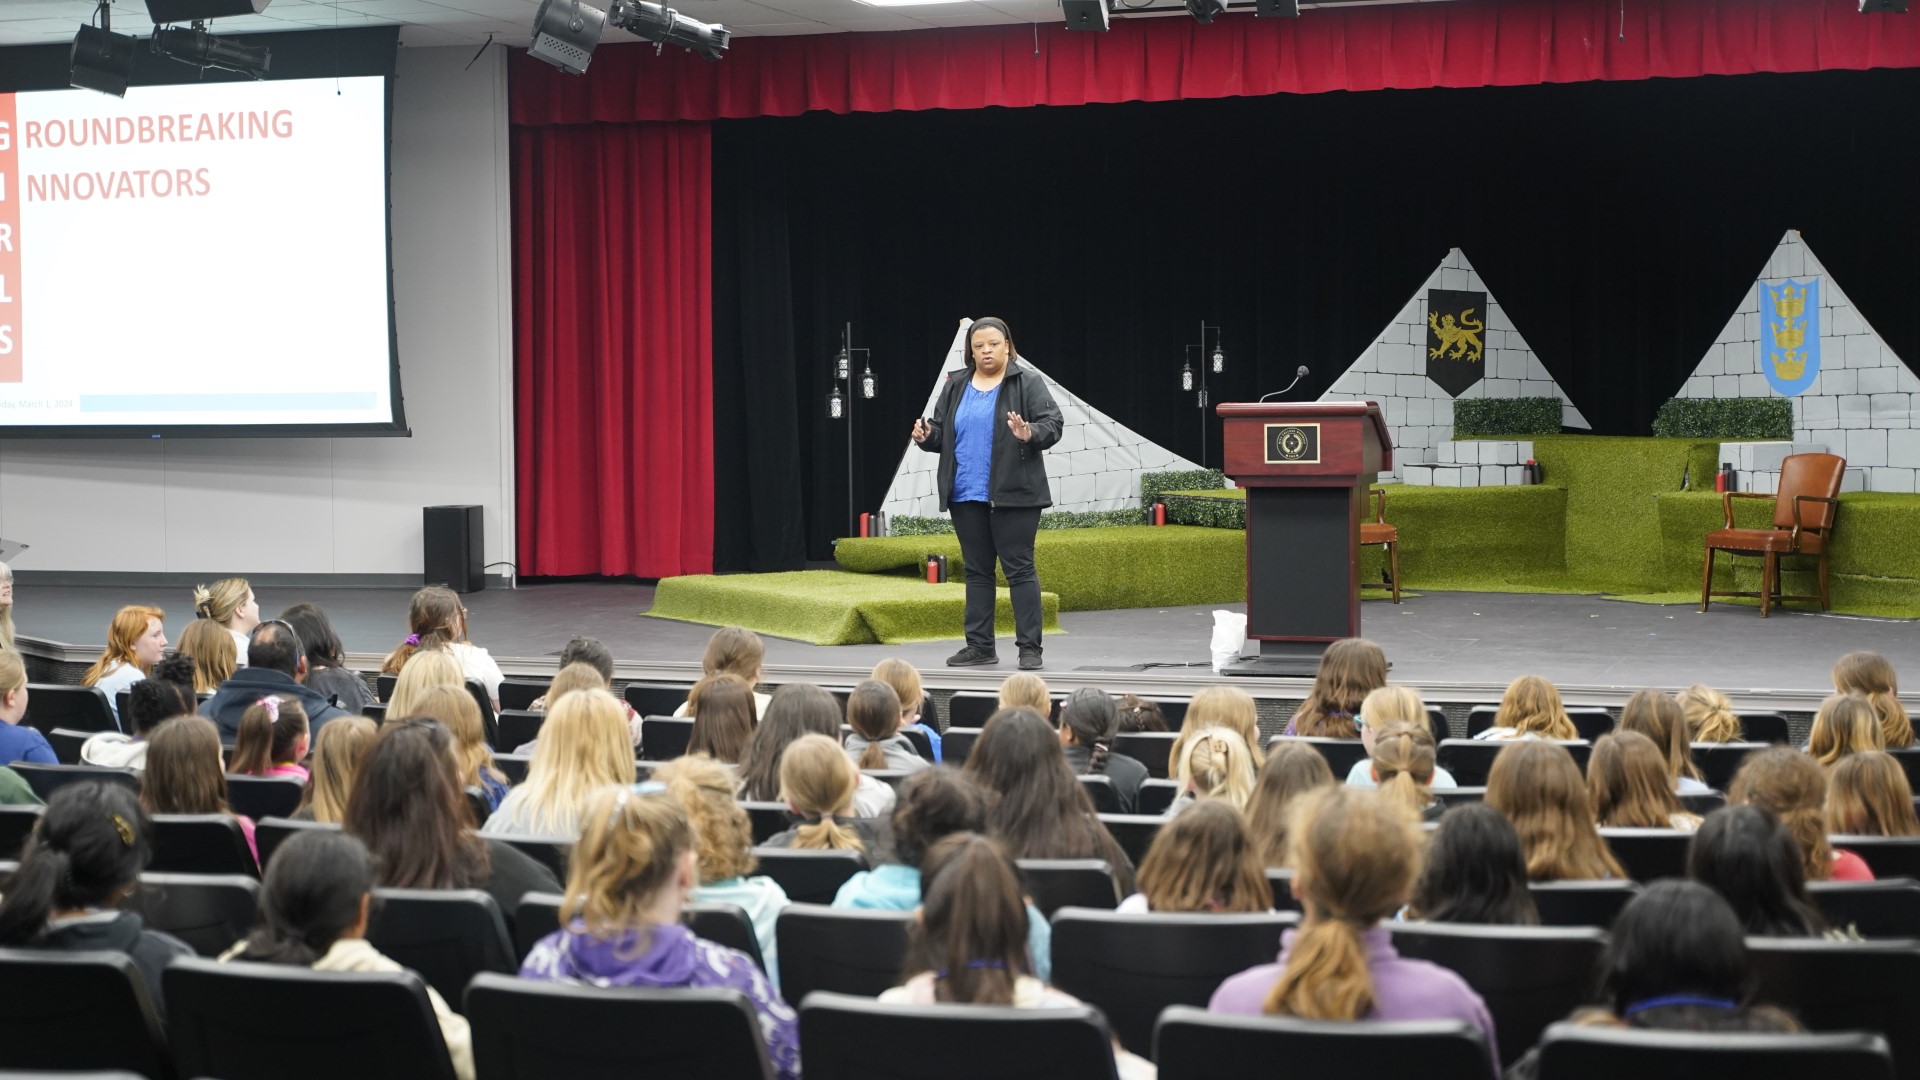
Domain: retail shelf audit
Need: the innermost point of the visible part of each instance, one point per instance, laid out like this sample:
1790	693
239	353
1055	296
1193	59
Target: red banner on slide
10	344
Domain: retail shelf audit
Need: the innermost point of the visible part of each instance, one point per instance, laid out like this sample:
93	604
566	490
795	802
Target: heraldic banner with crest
1455	354
1790	335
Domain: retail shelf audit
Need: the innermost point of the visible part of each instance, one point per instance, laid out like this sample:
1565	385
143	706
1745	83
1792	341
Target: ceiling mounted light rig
565	32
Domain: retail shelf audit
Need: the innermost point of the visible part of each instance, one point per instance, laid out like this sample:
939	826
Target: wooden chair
1378	531
1803	517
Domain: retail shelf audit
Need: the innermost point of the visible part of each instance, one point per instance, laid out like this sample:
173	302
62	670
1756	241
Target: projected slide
195	256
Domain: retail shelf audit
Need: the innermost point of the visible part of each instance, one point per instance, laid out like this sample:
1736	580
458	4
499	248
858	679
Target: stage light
836	405
1186	376
1085	14
101	59
203	50
163	12
1203	11
665	26
1889	7
1219	360
1276	9
565	32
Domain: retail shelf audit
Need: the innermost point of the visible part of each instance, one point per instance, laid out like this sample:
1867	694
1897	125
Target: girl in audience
149	702
1537	785
184	773
229	604
80	862
473	766
632	872
1869	673
426	669
411	815
1355	859
1845	725
1659	717
798	709
315	905
327	670
580	675
1024	688
438	620
1710	715
1401	765
1292	771
873	711
1750	859
1039	811
1384	708
725	840
1218	707
818	788
905	680
733	651
1530	709
272	739
6	607
1349	670
1792	787
336	759
723	718
968	945
583	748
19	743
213	653
1216	764
1627	782
1474	872
1139	714
1868	795
1202	861
136	641
1087	722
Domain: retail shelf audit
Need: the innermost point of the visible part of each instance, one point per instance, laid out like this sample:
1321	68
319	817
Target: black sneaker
1029	659
973	656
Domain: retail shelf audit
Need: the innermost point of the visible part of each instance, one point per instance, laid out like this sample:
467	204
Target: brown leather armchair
1378	531
1803	518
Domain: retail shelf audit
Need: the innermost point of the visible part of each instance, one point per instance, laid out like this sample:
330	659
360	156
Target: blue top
893	887
24	744
973	444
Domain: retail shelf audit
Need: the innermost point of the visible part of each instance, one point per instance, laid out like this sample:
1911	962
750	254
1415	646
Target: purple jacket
673	958
1402	989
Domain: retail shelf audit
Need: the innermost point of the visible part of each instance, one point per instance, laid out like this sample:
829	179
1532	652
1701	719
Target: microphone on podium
1297	376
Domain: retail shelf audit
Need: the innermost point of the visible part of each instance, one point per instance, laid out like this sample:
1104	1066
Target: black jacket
1126	773
1017	477
122	932
248	685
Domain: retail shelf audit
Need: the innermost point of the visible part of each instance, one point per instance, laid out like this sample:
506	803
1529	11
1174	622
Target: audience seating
1719	761
809	877
518	727
1763	727
1193	1044
1470	760
1480	718
724	924
201	844
1886	856
663	738
1056	883
376	712
1650	854
383	685
1590	721
1529	976
489	723
1583	1052
120	700
851	1038
1341	754
264	796
1876	909
16	824
1156	796
922	745
207	911
1846	986
768	819
1704	803
846	950
1133	832
893	778
551	852
1280	882
1149	748
445	935
1437	722
1581	903
1909	759
1459	796
534	917
956	743
270	833
970	708
280	1022
47	779
75	708
66	744
520	694
62	1011
655	698
477	806
526	1030
1100	789
643	770
513	766
1133	966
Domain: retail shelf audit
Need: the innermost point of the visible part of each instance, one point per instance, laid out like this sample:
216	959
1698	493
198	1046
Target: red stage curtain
1405	46
613	349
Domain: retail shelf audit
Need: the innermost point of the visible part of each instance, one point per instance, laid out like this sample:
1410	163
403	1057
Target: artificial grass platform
831	607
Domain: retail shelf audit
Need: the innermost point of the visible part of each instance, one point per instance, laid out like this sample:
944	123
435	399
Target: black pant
1005	532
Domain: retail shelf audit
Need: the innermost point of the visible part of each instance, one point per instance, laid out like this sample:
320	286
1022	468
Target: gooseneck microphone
1297	376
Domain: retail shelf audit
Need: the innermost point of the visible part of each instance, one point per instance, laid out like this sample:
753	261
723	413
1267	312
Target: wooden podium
1306	468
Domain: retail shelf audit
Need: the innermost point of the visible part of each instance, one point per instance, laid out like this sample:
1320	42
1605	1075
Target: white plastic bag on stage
1229	637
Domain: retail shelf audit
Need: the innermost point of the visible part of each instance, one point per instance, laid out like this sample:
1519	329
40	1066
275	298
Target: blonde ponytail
1218	764
1870	674
818	781
1403	762
1326	976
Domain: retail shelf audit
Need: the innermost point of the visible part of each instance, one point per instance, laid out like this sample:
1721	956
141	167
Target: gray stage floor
1455	646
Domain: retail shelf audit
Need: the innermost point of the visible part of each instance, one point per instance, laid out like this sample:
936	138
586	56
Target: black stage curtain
1617	223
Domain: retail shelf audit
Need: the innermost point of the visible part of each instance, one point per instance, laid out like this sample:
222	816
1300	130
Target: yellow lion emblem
1463	338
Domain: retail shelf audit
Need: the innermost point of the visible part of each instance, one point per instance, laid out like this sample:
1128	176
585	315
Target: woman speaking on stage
989	427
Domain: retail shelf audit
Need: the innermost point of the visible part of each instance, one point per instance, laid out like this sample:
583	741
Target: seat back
489	723
956	743
521	693
1100	789
524	1030
47	779
1280	883
201	844
1133	832
66	1011
970	708
281	1022
1470	760
1133	966
75	708
767	819
270	833
1763	727
383	685
1437	723
1056	883
446	935
1719	762
1818	475
724	924
518	727
1702	802
67	744
1909	759
809	877
663	738
1582	1052
843	1037
1875	909
377	712
1887	856
207	911
1590	721
1480	718
16	824
1581	903
655	698
1155	796
846	950
1341	754
1194	1044
1846	986
264	796
1149	748
551	852
1650	854
1459	796
536	916
513	766
1529	976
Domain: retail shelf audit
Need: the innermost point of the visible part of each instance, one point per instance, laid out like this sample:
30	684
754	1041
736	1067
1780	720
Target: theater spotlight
565	32
101	59
1203	11
163	12
1890	7
1276	9
1085	14
203	50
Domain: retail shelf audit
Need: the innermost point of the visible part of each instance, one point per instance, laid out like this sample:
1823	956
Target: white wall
330	506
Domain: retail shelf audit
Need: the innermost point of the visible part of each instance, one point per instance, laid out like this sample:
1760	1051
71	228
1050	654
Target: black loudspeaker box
454	538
